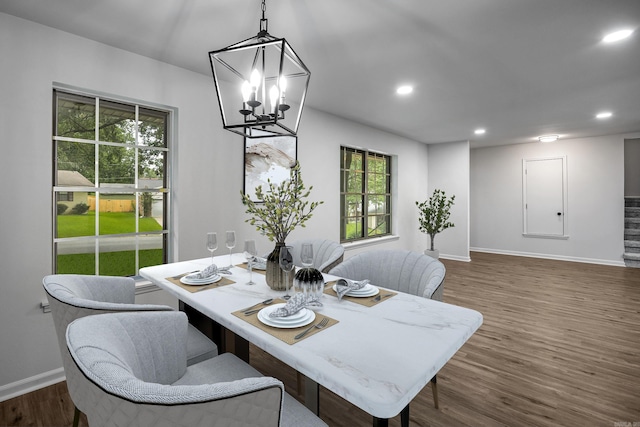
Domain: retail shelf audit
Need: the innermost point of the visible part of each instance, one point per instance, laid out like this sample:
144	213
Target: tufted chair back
326	253
404	271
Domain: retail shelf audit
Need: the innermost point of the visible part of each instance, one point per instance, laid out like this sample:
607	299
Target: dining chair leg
434	388
76	416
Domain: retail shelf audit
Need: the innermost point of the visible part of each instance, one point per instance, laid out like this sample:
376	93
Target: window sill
370	242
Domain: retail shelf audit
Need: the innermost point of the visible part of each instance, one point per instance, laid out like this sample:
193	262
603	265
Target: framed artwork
268	158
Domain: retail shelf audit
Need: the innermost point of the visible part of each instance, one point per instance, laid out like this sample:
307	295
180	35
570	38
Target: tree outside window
365	194
110	185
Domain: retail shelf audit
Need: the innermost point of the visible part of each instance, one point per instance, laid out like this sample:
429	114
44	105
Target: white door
544	197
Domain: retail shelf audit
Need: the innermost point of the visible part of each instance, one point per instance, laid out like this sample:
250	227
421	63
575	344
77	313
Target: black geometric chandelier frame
261	85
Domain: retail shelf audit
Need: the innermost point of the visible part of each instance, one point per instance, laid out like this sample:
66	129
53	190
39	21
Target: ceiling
517	68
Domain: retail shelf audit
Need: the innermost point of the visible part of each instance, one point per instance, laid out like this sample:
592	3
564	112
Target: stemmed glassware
230	243
286	264
306	255
212	243
250	253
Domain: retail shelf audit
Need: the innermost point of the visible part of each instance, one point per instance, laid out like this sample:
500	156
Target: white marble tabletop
378	358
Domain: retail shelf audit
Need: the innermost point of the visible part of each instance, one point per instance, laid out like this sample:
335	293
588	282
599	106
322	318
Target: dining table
377	355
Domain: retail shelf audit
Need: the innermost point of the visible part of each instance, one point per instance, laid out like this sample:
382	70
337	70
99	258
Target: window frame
140	109
366	195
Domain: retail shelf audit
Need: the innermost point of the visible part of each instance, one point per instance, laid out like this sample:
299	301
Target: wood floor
560	346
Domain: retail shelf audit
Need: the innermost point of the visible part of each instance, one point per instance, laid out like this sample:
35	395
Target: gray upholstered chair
134	372
326	253
73	296
405	271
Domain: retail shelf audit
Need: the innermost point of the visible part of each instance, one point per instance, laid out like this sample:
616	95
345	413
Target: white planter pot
433	254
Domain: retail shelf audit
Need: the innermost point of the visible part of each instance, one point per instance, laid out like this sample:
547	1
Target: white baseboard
27	385
549	256
455	257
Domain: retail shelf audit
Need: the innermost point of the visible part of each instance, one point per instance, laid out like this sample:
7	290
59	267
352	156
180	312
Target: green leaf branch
434	214
281	208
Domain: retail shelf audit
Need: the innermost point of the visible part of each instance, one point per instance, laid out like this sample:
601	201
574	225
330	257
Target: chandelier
261	85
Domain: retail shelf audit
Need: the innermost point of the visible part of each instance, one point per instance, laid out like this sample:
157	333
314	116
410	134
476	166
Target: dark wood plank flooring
560	346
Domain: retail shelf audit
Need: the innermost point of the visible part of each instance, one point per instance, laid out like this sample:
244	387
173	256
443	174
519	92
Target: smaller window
65	197
365	194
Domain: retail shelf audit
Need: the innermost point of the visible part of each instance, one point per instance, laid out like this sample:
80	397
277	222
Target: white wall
595	200
208	169
448	168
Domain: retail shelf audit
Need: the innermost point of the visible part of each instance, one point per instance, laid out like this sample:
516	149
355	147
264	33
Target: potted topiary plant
434	217
276	213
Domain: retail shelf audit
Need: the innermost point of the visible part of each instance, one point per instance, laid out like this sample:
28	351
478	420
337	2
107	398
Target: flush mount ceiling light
604	115
480	131
617	36
261	85
404	90
548	138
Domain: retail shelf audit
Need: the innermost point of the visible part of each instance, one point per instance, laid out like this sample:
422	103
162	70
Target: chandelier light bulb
246	91
274	94
255	79
283	85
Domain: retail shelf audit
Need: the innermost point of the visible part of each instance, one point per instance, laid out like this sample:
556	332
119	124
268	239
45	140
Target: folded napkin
345	285
258	261
210	271
295	304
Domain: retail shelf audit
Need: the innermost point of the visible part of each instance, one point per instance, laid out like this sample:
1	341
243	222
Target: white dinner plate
198	282
367	290
301	318
297	317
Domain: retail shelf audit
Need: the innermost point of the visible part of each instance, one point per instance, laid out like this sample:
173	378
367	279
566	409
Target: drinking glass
286	264
250	253
306	254
230	243
212	243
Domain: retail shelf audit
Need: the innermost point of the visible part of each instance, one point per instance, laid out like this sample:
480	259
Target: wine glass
230	243
286	264
212	243
250	253
306	255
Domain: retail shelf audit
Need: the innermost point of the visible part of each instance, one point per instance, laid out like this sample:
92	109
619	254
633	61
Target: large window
110	190
365	194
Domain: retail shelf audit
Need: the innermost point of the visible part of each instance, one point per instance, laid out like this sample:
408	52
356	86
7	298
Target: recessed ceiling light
480	131
404	90
617	36
548	138
604	115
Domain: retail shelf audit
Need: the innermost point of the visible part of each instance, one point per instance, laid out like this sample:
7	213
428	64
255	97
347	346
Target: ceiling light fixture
480	131
548	138
404	90
258	80
604	115
617	36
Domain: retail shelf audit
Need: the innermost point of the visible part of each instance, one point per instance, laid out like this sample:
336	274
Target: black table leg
312	395
240	347
380	422
404	417
384	422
